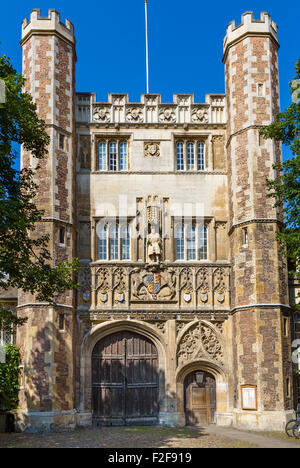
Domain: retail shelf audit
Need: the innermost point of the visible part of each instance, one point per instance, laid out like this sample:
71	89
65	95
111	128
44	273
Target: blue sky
185	42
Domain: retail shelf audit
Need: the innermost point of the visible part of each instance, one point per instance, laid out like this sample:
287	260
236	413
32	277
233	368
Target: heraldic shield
153	281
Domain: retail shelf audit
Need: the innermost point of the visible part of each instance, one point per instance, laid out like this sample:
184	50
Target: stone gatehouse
183	313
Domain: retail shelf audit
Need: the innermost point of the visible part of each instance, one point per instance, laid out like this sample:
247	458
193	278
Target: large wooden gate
200	399
125	380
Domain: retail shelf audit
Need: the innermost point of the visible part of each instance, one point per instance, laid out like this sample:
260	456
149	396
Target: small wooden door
125	380
200	400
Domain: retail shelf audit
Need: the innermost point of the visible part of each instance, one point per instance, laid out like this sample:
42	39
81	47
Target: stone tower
47	339
259	279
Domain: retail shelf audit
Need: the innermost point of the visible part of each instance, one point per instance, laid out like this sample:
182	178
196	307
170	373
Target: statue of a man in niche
154	246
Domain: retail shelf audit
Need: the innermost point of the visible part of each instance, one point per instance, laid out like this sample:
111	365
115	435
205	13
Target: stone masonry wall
258	271
47	338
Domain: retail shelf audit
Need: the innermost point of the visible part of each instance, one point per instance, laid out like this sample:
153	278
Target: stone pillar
259	278
47	338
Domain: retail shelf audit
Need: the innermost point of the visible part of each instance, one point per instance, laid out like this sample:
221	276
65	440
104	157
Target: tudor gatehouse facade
183	313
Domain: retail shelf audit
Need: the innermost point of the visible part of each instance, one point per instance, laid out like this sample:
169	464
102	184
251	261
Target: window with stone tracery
190	156
191	241
112	155
113	241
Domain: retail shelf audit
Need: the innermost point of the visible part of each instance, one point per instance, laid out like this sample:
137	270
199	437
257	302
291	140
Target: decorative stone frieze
151	111
190	287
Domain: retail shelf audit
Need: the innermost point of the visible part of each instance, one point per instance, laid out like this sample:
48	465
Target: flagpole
147	52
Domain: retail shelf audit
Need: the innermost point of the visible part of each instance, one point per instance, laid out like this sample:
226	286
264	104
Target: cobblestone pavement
149	437
125	437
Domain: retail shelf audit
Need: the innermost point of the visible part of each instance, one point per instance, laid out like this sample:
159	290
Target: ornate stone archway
101	331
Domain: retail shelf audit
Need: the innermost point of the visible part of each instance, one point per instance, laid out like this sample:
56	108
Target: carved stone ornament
134	115
167	116
86	296
102	278
152	149
101	114
120	297
103	296
153	284
187	296
199	116
200	341
84	278
203	296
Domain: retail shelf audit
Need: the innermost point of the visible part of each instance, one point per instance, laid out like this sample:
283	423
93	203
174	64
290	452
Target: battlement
249	26
45	25
118	109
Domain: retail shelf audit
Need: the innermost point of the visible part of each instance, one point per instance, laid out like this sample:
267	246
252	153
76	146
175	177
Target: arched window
102	156
179	236
180	156
191	242
102	243
123	156
114	242
202	242
190	149
125	242
113	156
201	156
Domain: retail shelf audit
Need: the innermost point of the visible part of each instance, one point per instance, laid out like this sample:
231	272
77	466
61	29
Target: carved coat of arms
187	296
86	296
103	296
153	281
120	297
203	296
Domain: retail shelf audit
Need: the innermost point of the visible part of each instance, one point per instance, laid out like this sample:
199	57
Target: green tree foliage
285	188
9	379
25	261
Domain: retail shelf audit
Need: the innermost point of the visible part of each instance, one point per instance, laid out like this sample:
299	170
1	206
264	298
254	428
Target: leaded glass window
113	156
179	236
102	156
123	156
102	243
125	242
190	148
202	243
180	156
200	156
191	242
114	242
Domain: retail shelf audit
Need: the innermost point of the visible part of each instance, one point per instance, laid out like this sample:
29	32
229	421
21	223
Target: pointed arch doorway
125	380
200	398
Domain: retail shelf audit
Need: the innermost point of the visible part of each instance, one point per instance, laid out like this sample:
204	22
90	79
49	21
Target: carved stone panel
101	115
153	284
152	149
201	340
